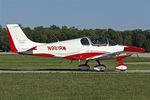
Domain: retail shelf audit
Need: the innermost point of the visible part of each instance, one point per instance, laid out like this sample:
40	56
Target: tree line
53	33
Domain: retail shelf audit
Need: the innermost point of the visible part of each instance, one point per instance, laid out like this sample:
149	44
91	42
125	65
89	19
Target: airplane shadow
53	70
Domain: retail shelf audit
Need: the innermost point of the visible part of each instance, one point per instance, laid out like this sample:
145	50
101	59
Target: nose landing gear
121	66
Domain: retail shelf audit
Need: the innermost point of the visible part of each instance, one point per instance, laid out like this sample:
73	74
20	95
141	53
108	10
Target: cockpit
97	41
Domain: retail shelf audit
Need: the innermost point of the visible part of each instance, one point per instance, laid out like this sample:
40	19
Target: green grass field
71	86
32	62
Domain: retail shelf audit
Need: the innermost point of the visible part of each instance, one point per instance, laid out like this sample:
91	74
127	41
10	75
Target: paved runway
66	71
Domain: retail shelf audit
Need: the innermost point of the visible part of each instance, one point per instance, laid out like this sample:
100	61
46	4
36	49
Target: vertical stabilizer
18	40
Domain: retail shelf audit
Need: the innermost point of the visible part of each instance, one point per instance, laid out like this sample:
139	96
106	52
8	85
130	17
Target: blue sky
116	14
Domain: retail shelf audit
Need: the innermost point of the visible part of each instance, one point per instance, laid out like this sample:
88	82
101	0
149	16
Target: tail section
18	40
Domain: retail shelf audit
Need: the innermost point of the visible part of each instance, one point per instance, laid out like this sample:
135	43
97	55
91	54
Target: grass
32	62
136	59
71	86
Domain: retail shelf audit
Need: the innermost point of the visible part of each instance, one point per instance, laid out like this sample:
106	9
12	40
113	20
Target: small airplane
86	48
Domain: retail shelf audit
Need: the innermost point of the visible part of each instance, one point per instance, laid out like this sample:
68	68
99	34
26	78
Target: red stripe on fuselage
83	56
12	45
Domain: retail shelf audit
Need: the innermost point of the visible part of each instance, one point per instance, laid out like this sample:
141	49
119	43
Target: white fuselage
74	47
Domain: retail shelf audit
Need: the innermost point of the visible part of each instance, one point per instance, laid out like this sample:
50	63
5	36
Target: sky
104	14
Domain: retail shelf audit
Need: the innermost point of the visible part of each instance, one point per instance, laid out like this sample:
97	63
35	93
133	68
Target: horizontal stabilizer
33	48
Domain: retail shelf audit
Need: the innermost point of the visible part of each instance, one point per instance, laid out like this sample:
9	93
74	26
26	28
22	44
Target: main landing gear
85	66
99	67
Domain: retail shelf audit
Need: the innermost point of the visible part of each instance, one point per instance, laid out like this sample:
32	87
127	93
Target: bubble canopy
97	41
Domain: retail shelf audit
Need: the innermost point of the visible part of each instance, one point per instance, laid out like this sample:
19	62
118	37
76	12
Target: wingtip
133	49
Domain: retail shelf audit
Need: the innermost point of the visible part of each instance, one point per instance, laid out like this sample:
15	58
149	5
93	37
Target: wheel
100	68
84	67
122	68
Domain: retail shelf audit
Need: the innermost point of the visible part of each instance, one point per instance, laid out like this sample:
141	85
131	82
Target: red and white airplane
86	48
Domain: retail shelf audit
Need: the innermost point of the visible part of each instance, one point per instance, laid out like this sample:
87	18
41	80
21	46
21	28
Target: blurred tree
28	32
138	37
54	33
116	36
127	38
147	45
1	28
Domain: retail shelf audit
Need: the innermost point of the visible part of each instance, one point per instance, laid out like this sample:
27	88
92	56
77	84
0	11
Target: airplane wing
128	51
104	56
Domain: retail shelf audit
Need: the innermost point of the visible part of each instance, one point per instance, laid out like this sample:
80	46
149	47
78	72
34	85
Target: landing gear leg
85	66
99	67
121	66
